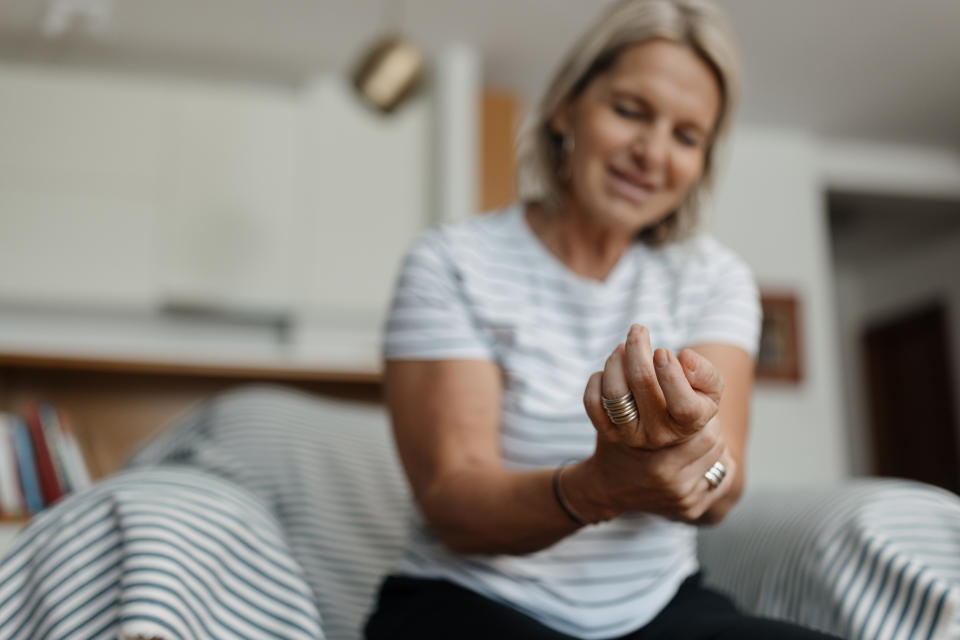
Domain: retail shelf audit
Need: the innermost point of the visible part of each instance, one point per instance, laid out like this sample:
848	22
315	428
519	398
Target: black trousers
429	609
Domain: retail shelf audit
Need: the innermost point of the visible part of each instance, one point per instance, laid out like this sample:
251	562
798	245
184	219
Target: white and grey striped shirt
488	289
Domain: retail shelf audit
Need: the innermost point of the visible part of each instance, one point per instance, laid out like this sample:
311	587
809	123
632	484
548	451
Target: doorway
896	262
909	386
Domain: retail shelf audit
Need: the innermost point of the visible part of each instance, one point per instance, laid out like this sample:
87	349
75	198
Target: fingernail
660	358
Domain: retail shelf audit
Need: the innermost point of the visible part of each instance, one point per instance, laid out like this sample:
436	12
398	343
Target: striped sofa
269	513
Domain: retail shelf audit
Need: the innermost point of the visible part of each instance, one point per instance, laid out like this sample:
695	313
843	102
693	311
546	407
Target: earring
567	146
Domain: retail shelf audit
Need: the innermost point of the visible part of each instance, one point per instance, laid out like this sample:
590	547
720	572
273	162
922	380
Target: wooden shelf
117	403
240	372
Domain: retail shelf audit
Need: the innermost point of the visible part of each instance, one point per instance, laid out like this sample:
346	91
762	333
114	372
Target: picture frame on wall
780	347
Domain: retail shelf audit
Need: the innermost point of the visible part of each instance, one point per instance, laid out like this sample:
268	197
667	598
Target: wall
875	167
868	288
351	190
873	288
123	197
366	196
769	208
76	171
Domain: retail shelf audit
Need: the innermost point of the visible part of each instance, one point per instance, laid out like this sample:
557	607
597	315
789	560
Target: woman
540	519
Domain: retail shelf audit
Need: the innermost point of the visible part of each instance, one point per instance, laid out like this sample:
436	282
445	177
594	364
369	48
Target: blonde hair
693	23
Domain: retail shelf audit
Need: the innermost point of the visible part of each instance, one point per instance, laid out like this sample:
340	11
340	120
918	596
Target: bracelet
558	493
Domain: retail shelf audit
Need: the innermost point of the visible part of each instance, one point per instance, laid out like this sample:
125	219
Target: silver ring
621	410
715	474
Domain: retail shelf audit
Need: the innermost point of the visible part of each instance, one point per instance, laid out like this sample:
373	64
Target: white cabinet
135	194
368	194
231	205
80	159
368	182
131	194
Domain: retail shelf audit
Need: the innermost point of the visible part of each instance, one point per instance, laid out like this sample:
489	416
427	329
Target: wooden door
910	391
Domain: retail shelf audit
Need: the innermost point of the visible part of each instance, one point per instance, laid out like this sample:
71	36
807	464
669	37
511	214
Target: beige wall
770	210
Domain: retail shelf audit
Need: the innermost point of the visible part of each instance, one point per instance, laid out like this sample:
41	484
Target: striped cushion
320	481
325	469
167	552
874	559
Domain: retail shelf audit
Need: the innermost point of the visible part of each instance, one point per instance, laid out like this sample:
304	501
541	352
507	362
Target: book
50	487
11	501
71	455
29	483
47	416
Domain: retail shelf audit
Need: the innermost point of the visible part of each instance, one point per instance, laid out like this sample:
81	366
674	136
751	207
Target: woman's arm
687	420
446	418
446	421
736	367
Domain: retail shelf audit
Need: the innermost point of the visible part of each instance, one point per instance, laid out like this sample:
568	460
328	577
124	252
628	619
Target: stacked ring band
621	410
715	474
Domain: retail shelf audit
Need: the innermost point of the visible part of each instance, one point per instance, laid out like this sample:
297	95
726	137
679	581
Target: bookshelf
13	521
117	403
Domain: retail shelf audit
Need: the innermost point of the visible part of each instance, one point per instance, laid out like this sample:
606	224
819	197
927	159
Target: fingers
675	396
669	481
704	463
702	494
690	410
730	465
638	366
701	374
709	494
594	407
705	444
611	384
614	383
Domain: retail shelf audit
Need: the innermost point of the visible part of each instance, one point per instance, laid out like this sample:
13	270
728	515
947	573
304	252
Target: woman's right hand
676	396
656	463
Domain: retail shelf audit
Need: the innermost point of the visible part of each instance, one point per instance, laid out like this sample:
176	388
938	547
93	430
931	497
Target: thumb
701	374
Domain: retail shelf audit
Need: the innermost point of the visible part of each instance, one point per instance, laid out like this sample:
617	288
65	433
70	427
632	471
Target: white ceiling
877	69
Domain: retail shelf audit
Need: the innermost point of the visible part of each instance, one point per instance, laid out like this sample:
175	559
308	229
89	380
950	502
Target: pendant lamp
389	70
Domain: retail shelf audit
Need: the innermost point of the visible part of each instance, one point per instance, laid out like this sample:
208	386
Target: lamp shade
388	72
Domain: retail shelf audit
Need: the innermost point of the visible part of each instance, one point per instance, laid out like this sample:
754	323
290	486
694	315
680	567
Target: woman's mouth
632	187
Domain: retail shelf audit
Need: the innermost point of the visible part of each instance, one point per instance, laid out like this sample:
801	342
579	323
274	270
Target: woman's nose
651	146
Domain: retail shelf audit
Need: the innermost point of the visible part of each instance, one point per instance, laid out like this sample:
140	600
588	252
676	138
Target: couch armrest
871	559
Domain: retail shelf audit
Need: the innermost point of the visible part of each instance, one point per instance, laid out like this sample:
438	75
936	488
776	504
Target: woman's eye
626	111
686	139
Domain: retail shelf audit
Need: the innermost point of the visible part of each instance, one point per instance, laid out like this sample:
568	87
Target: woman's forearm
481	510
486	511
446	419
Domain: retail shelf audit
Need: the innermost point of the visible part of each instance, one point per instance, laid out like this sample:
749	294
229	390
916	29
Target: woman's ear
560	122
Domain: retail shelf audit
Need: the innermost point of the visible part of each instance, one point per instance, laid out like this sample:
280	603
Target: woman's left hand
656	462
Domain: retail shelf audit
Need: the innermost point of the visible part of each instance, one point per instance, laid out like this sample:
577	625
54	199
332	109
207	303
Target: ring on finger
621	410
715	474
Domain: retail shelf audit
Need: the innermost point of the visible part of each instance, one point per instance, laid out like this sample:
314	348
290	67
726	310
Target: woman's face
640	133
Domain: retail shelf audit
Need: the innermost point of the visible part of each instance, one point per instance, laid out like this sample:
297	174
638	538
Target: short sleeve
430	316
730	312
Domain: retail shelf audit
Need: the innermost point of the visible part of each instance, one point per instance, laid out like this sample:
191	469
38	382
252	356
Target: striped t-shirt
488	289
